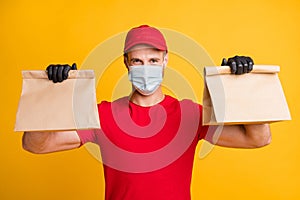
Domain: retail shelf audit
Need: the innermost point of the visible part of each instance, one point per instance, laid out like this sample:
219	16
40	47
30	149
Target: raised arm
241	136
47	142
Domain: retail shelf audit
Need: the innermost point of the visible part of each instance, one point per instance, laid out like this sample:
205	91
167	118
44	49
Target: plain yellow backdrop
34	34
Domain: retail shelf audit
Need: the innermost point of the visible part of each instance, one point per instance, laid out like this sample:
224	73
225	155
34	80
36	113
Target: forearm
242	136
46	142
258	134
35	142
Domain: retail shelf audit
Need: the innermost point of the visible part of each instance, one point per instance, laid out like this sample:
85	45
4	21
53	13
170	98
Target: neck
149	100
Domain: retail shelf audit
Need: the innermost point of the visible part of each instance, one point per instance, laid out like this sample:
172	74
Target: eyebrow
134	59
153	58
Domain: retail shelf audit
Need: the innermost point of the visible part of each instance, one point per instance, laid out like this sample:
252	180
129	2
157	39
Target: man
148	139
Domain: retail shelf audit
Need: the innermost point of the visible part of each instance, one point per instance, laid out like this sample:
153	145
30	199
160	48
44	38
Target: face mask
145	78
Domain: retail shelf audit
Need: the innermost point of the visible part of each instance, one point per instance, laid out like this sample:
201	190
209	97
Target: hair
125	55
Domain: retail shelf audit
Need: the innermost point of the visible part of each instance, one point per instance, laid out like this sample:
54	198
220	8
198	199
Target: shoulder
183	105
185	102
106	107
120	101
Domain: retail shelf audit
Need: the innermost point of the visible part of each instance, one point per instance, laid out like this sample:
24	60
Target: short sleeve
202	130
205	132
87	136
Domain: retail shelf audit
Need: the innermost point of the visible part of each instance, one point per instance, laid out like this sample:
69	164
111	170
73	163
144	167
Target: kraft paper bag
46	106
255	97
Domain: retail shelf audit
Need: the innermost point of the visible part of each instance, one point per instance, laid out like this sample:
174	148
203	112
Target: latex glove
58	72
239	64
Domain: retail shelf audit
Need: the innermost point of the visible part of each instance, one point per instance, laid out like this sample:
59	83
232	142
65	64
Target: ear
165	61
125	60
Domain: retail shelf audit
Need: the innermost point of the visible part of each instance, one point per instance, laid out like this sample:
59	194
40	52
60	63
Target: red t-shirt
147	152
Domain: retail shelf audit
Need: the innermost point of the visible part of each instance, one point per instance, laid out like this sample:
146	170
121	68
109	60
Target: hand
58	73
239	64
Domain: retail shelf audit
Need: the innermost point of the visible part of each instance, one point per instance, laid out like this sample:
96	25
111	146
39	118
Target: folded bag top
73	74
264	69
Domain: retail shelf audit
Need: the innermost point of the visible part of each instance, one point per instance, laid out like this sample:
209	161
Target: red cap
145	34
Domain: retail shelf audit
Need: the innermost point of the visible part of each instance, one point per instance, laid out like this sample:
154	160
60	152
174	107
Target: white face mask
146	78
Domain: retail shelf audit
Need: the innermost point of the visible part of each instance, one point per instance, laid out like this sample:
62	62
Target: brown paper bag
242	99
68	105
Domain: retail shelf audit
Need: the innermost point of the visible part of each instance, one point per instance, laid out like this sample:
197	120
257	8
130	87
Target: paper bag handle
261	69
73	74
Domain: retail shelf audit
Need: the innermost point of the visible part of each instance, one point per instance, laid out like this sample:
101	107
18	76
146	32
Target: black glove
58	73
239	64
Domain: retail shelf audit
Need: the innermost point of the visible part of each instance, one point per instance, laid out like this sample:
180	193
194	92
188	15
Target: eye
136	61
154	61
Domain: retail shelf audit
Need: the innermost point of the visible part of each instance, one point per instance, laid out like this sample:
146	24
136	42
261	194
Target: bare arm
243	136
46	142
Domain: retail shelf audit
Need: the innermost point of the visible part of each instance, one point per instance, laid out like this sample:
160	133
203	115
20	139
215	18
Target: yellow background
34	34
